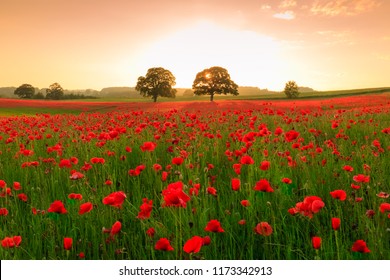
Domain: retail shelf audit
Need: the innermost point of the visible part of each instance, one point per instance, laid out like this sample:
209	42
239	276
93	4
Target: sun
250	58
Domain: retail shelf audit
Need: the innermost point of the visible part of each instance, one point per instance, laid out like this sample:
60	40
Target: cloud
266	7
287	4
343	7
287	15
332	37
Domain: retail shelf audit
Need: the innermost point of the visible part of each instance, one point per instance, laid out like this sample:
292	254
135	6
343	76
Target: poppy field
228	180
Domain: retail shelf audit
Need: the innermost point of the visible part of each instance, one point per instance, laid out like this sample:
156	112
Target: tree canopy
25	91
157	82
55	91
291	89
214	80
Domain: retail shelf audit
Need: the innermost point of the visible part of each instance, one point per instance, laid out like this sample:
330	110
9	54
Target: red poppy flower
212	191
157	167
360	246
17	186
291	135
177	160
370	213
384	207
287	180
237	168
214	226
86	166
355	187
74	160
3	184
151	232
148	146
335	223
316	242
3	212
174	195
81	255
309	206
263	228
236	184
57	207
75	196
163	244
193	245
278	131
76	175
85	208
348	168
206	240
115	199
339	194
360	178
10	242
247	160
68	241
22	197
145	209
383	195
263	185
116	228
265	165
65	163
245	203
164	176
242	222
96	160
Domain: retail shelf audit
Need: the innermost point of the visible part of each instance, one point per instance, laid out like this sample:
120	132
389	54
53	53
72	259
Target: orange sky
323	44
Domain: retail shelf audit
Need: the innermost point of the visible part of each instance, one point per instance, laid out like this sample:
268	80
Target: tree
39	95
291	89
55	91
215	80
157	82
25	91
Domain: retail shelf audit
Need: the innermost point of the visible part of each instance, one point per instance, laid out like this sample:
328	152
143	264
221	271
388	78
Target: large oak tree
157	82
25	91
214	80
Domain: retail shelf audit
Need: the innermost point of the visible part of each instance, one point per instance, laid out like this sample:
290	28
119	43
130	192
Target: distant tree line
54	92
159	82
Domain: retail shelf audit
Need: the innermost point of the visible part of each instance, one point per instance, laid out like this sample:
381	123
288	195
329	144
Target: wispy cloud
332	37
266	7
287	4
343	7
287	15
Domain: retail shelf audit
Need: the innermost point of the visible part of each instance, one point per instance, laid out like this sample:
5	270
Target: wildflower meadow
223	180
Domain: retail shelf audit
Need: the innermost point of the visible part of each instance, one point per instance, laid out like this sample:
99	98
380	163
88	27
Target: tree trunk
155	98
211	97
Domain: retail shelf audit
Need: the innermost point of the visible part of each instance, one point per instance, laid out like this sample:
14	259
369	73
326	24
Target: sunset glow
321	44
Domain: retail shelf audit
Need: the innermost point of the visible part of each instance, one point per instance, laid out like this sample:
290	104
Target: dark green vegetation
214	81
157	82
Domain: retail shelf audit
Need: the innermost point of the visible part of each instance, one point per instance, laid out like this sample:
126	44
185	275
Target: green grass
82	136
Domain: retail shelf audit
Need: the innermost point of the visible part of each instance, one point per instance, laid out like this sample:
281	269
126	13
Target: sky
81	44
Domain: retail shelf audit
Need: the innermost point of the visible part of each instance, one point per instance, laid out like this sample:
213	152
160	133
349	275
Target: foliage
25	91
55	92
157	82
39	95
214	80
291	89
